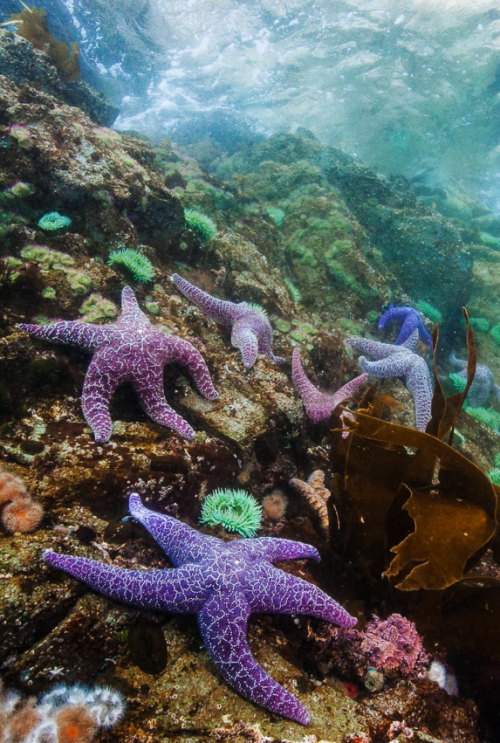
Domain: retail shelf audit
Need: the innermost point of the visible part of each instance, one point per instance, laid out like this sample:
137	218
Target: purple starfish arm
274	550
292	595
219	310
251	332
372	348
73	332
105	373
223	625
131	312
392	314
182	590
179	541
243	338
400	361
222	583
130	349
411	319
319	406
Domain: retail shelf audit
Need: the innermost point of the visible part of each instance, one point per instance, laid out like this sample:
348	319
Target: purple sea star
411	319
223	583
400	361
319	405
130	349
483	384
251	329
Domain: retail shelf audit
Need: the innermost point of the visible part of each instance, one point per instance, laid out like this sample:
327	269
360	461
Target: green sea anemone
53	222
429	311
495	333
292	290
458	382
256	308
494	475
489	417
203	227
236	510
133	263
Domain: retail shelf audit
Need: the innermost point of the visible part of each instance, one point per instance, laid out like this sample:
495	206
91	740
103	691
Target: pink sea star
251	329
130	349
319	405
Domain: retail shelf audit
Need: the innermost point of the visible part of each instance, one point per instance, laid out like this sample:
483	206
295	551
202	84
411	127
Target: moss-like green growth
282	325
479	324
293	290
495	333
276	214
47	257
97	307
132	263
203	227
305	256
17	192
490	418
429	311
236	510
54	222
79	282
49	292
152	307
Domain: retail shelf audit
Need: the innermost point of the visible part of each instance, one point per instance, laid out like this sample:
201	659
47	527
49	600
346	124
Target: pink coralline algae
130	349
391	646
394	646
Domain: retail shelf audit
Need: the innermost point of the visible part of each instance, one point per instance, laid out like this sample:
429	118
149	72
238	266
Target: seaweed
419	513
32	26
390	468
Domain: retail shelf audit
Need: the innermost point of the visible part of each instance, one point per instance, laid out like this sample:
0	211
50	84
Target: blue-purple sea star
411	319
400	361
223	583
251	330
483	384
130	349
319	405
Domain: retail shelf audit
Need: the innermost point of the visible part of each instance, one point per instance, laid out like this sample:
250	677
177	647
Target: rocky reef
321	244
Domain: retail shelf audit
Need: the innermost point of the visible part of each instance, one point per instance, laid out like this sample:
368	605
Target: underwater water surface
249	371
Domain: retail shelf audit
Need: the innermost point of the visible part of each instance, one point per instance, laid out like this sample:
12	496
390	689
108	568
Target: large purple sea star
483	384
411	319
319	405
223	583
400	361
130	349
251	329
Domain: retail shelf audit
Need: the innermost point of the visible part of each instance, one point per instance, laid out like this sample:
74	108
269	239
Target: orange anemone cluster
18	512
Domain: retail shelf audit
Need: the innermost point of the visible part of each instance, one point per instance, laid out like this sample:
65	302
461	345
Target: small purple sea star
319	405
130	349
251	329
400	361
223	583
483	384
411	319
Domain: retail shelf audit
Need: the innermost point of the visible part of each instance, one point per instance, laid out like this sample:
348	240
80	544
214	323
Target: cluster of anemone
54	222
202	226
235	510
132	263
18	512
65	714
